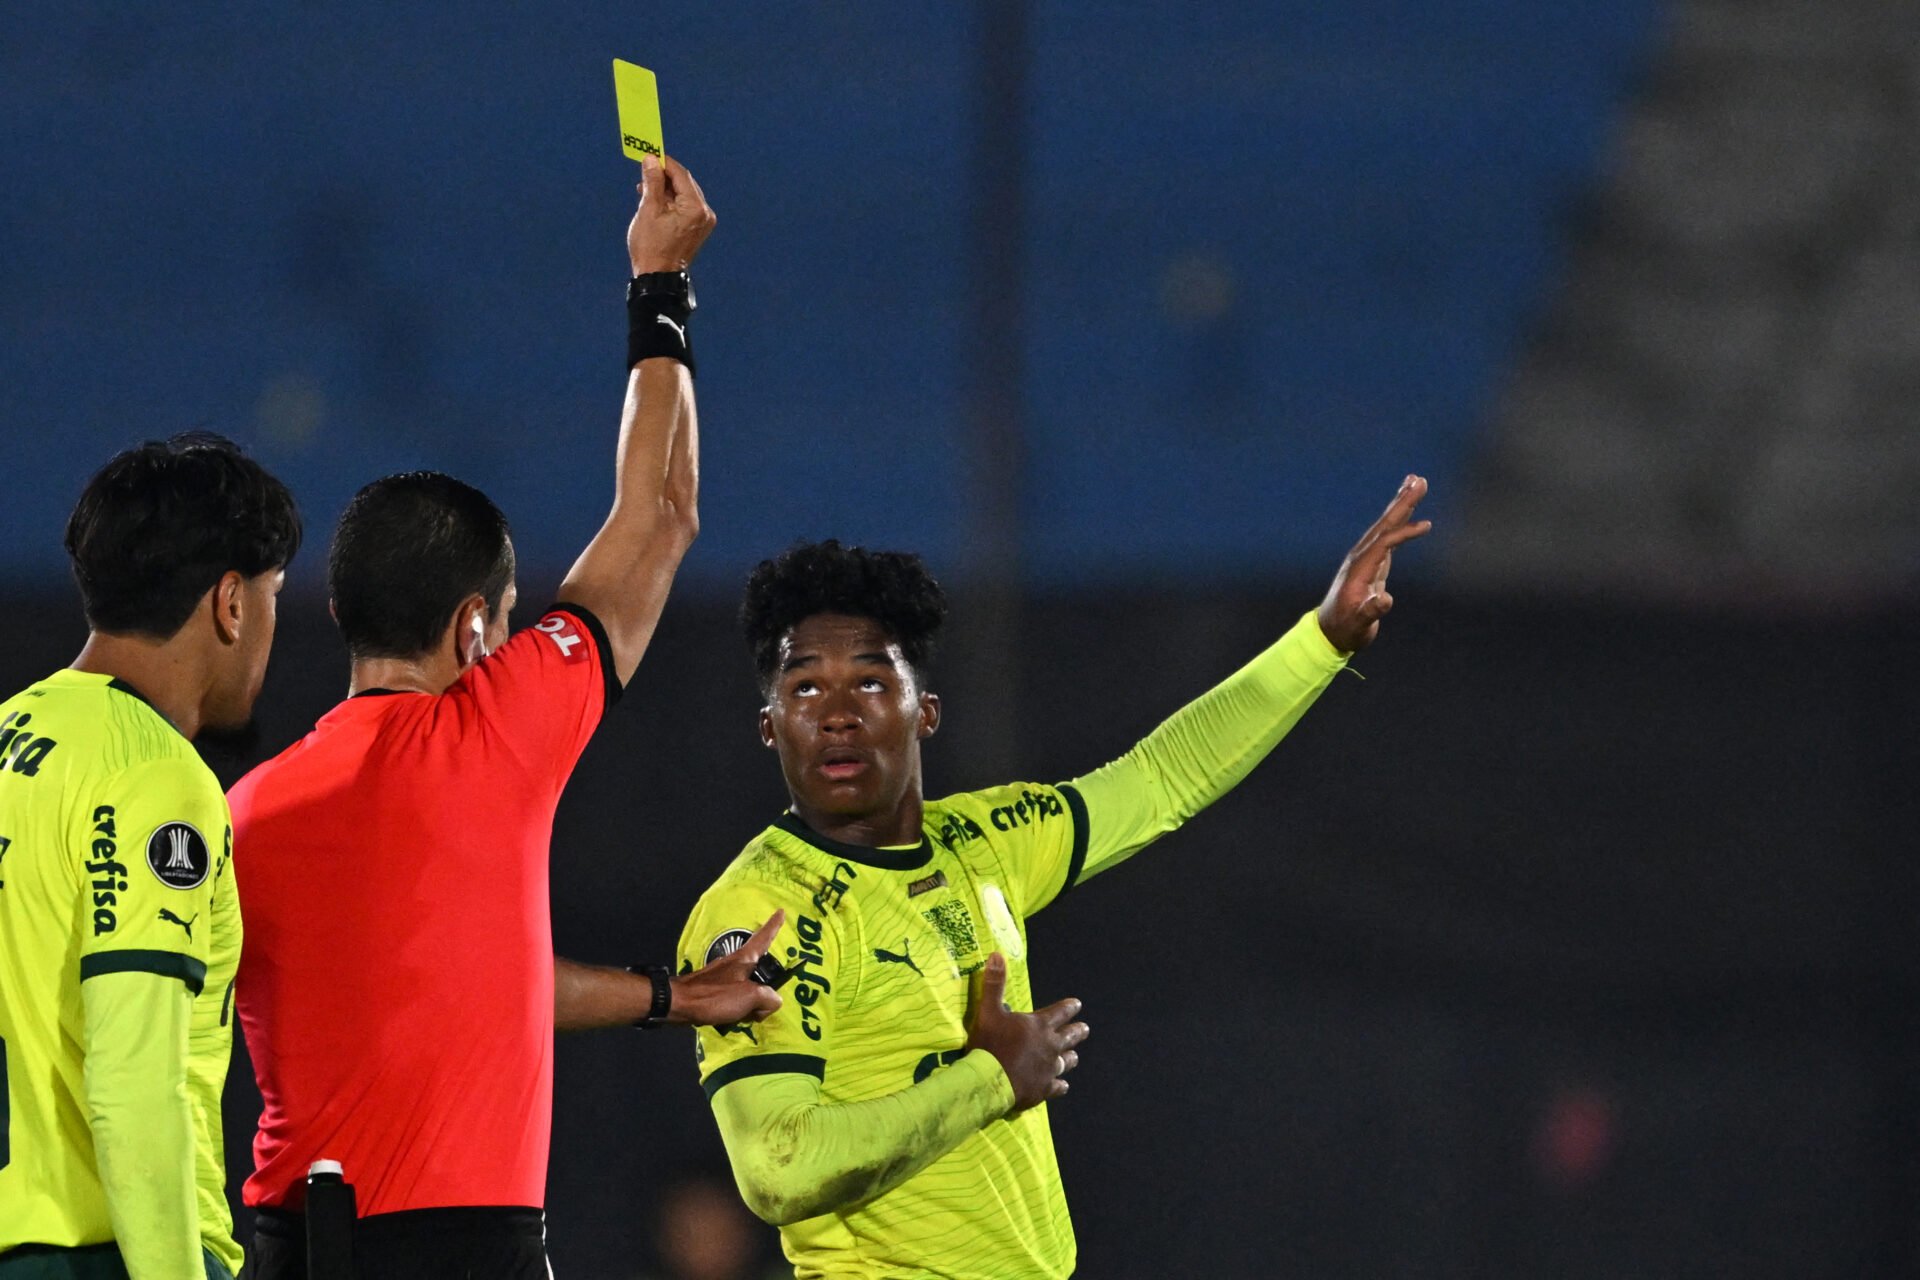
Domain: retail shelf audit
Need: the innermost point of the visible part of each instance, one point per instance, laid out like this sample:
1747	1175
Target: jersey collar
886	859
116	683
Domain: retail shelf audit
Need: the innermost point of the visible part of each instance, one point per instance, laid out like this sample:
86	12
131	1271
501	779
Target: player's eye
805	688
872	685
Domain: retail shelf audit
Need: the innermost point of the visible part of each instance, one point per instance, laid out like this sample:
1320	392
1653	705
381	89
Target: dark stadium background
1578	940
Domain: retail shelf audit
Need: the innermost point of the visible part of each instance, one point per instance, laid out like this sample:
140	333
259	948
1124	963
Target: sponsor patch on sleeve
726	944
177	855
565	634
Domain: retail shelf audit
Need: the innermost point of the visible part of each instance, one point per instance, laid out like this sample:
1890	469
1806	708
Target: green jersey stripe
766	1064
168	964
1078	808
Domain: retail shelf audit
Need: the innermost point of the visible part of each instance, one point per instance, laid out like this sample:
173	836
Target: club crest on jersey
726	944
177	856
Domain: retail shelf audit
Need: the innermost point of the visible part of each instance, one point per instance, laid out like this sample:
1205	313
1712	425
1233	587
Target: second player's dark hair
162	523
408	549
891	587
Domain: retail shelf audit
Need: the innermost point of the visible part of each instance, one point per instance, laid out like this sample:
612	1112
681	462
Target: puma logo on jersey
739	1028
187	924
885	956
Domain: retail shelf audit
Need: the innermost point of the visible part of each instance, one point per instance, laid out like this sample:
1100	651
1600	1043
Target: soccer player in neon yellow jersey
888	1118
119	924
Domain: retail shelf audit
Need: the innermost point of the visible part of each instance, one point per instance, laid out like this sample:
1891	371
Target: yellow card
639	99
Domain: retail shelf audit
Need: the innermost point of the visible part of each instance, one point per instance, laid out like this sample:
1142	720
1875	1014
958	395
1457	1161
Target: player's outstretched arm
624	574
142	1124
795	1157
1203	750
587	997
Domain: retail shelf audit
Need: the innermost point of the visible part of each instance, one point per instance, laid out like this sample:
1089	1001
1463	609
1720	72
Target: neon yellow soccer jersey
115	856
882	943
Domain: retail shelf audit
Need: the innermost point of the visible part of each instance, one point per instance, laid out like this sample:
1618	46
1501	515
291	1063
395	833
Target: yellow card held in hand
639	98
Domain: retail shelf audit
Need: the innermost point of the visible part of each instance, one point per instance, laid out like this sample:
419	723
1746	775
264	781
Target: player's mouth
842	766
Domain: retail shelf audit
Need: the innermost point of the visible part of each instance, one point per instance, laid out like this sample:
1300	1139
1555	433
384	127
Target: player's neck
426	673
169	674
894	829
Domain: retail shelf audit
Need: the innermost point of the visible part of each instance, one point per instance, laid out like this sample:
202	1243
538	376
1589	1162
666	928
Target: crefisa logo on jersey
726	944
177	856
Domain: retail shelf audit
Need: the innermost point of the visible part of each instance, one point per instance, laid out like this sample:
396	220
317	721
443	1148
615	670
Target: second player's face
232	706
847	716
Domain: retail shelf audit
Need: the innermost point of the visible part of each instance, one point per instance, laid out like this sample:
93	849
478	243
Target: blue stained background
1278	255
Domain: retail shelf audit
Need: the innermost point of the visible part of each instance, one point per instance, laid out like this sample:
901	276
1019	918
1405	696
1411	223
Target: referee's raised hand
725	993
673	219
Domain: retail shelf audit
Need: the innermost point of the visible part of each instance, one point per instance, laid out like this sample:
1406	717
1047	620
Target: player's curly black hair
891	587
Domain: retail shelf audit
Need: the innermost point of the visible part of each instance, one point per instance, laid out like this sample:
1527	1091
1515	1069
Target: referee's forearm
587	997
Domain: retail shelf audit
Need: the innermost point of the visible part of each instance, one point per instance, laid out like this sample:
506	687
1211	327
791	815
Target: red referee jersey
396	985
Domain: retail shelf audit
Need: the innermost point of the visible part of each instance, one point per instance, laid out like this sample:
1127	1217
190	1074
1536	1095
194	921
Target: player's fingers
753	948
1406	533
766	1004
1058	1089
1068	1061
1412	489
1376	606
993	983
1060	1012
1072	1034
653	185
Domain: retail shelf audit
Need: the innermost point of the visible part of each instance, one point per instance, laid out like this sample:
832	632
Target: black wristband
659	305
662	978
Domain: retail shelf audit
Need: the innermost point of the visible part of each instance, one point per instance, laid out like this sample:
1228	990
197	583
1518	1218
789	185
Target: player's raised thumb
993	983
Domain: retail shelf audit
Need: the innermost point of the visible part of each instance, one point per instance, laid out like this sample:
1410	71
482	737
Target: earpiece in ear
477	644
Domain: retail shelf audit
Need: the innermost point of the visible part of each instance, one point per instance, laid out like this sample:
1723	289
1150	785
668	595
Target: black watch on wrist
676	286
662	979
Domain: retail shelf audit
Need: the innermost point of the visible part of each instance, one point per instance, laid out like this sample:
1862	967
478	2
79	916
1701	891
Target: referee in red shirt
398	986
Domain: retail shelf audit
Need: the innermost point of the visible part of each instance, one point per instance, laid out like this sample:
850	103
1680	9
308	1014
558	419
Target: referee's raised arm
624	574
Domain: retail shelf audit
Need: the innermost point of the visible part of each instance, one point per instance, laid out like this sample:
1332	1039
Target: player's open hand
673	219
725	993
1035	1049
1357	600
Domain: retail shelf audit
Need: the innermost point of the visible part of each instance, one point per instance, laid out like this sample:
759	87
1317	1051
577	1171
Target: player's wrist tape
659	305
662	979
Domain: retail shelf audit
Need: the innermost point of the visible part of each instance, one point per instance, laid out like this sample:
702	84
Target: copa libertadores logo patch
177	856
727	943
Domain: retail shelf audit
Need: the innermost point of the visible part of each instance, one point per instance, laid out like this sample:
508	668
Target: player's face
847	717
231	707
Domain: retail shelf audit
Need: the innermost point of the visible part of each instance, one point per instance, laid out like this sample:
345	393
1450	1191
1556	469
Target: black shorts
416	1244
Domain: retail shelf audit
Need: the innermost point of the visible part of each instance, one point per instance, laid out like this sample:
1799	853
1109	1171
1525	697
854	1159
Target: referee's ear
468	631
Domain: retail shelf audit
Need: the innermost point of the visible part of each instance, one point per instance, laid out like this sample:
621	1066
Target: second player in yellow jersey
890	1117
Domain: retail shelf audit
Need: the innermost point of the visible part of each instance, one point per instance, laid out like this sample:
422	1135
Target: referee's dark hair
408	549
891	587
162	523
